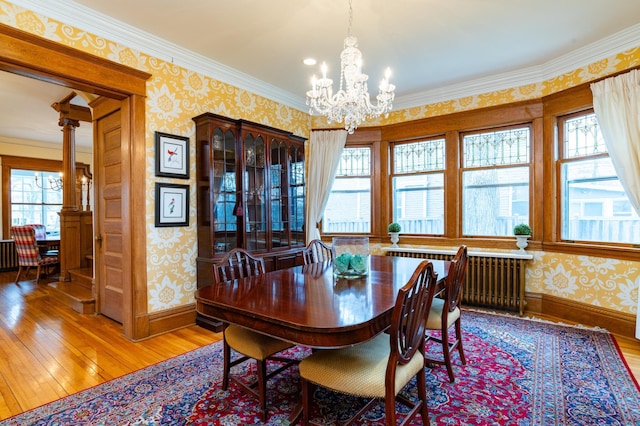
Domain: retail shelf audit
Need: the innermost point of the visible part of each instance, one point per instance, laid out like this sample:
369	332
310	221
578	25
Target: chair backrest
409	313
316	252
24	238
238	263
41	230
455	279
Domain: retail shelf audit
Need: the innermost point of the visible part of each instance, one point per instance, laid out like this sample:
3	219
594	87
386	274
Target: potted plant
522	232
394	231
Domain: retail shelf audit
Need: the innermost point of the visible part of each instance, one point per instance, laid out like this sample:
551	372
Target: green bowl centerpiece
352	257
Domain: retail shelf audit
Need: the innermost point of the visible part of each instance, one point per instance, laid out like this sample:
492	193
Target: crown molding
86	19
106	27
601	49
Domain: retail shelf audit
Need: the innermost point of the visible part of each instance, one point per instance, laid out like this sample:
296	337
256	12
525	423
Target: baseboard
594	316
171	319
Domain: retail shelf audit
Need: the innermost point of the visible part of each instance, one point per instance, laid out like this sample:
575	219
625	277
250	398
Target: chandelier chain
350	19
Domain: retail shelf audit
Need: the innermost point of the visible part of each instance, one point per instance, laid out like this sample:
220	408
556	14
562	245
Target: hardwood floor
48	351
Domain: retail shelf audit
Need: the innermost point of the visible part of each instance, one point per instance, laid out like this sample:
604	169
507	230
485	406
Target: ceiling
436	49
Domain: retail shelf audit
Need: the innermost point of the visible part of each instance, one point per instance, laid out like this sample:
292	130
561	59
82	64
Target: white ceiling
437	49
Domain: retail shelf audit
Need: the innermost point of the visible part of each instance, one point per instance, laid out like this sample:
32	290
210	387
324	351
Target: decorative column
69	163
70	215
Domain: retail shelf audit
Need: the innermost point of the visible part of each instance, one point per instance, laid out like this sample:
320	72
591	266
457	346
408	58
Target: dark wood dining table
48	243
308	306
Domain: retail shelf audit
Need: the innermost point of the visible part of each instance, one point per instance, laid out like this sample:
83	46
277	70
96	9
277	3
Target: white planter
395	237
521	242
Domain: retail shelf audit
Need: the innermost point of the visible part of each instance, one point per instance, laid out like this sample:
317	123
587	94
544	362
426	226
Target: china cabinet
251	192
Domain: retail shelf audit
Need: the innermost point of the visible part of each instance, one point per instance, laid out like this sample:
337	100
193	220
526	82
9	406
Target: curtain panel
325	149
616	102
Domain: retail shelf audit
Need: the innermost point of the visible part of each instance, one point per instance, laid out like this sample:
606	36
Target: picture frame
172	155
172	205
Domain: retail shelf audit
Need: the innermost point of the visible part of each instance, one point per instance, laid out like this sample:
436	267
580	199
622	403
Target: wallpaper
175	95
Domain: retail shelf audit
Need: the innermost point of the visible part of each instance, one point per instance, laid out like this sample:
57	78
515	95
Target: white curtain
616	102
325	148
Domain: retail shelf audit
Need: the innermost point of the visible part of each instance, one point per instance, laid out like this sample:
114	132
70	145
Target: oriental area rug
518	372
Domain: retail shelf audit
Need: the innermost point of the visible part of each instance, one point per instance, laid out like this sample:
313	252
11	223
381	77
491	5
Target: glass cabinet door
279	194
255	193
297	195
224	192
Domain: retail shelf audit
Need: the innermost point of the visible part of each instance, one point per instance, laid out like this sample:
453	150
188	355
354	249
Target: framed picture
172	156
172	204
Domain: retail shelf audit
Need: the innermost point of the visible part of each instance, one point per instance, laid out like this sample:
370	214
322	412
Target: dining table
48	243
308	305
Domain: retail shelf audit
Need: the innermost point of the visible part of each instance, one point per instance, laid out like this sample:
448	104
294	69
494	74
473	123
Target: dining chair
445	313
381	367
238	263
316	252
24	238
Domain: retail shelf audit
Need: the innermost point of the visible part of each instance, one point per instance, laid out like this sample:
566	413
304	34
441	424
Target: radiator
490	282
8	256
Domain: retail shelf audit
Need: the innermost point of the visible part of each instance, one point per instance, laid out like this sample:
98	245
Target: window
594	205
30	203
495	181
349	207
418	186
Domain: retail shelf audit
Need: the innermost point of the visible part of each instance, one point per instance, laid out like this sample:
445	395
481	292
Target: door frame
31	56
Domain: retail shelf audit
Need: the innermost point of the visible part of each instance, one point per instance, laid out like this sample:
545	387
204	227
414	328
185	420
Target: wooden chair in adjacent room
238	263
445	314
317	252
381	367
24	237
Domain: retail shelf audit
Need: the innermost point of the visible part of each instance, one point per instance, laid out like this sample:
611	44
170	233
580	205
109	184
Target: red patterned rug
518	372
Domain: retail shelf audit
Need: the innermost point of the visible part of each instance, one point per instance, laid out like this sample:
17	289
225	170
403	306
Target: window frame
372	139
43	208
371	191
393	174
560	161
22	163
10	162
462	169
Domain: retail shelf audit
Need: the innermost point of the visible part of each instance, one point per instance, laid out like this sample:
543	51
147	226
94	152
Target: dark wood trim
581	313
32	56
502	115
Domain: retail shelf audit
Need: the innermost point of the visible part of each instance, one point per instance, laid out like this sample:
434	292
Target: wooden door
109	271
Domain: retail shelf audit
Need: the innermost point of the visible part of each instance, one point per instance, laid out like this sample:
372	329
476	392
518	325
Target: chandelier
352	103
55	184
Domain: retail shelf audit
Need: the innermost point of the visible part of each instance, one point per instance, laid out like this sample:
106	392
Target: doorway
43	60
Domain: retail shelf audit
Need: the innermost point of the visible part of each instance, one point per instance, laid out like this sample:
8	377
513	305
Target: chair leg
38	274
262	388
446	354
390	410
19	272
459	340
422	396
307	392
226	364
